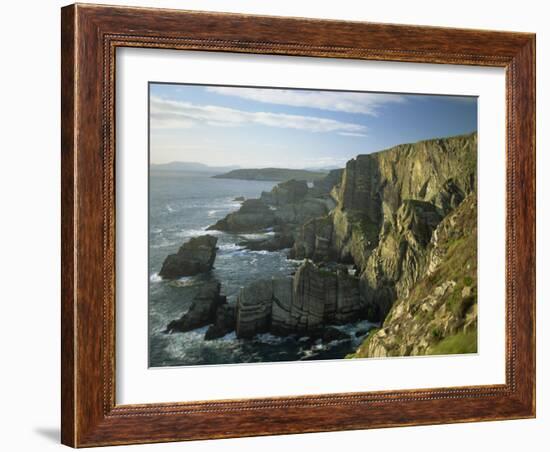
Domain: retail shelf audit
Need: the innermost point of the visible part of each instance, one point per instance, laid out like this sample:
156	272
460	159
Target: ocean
182	205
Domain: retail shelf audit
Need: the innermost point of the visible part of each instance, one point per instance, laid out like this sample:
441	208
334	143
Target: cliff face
303	304
388	205
392	238
439	314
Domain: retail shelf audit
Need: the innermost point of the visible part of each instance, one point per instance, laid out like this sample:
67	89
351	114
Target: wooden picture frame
90	36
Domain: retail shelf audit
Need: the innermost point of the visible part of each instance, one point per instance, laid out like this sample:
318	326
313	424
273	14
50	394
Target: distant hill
191	166
272	174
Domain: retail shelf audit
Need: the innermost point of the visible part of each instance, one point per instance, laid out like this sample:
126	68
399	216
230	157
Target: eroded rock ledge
305	304
283	210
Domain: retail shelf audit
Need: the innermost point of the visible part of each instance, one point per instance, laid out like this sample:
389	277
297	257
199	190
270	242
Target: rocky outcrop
202	311
253	313
314	241
194	257
387	206
254	215
285	208
289	192
322	187
279	241
439	314
224	322
304	304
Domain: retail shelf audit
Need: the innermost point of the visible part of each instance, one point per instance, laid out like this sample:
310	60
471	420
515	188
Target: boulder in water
194	257
202	311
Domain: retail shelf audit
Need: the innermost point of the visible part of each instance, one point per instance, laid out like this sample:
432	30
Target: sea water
181	206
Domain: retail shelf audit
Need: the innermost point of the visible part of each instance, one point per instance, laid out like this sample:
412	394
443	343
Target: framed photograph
282	225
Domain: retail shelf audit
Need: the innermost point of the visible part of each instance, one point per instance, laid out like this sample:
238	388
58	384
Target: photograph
301	224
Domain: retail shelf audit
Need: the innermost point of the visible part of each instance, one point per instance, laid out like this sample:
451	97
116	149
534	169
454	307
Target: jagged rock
314	241
275	243
388	205
289	192
331	334
195	256
253	313
439	314
299	213
324	186
202	311
254	215
224	323
239	199
304	304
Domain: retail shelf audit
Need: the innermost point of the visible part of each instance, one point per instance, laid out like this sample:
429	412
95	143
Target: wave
257	235
162	244
195	232
155	278
185	281
268	338
231	247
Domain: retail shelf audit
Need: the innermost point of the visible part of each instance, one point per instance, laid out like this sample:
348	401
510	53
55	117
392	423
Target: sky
293	128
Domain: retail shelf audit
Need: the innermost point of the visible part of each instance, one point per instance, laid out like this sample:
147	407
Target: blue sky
291	128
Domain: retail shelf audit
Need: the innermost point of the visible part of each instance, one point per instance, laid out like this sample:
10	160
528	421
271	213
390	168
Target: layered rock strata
439	314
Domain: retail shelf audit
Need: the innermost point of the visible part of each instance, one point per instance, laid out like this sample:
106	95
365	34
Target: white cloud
364	103
170	114
352	134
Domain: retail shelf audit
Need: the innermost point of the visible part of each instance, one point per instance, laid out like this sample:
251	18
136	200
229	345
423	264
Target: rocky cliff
439	314
388	205
392	238
285	209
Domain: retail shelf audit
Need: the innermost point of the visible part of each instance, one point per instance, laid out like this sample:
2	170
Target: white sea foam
185	281
162	244
258	235
262	252
155	278
231	247
268	338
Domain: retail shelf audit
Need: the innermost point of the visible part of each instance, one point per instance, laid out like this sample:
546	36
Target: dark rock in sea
275	243
194	257
224	323
254	215
202	311
333	334
361	332
239	199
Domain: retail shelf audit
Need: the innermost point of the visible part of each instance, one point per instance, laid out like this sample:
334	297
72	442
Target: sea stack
194	257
